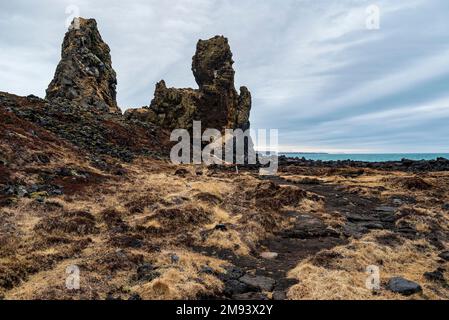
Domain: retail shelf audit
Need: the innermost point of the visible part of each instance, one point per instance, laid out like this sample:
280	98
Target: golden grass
182	280
345	278
226	199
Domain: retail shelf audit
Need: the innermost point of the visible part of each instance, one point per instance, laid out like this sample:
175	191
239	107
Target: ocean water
374	157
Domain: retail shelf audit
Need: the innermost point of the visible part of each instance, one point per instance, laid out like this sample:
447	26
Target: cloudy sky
316	72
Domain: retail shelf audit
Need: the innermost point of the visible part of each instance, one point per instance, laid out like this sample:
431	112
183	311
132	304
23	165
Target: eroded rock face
85	74
216	103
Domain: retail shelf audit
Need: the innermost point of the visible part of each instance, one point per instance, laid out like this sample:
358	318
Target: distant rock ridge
85	74
216	103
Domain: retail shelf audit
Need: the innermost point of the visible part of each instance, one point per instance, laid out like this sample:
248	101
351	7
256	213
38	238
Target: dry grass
117	224
184	279
151	213
345	275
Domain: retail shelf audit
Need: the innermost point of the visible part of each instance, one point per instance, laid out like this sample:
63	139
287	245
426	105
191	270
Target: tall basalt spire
85	74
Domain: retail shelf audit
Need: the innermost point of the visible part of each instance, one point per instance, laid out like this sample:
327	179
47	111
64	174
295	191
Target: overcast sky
316	72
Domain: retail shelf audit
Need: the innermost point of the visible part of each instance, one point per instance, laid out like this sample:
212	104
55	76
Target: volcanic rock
403	286
437	275
216	103
85	74
260	282
444	255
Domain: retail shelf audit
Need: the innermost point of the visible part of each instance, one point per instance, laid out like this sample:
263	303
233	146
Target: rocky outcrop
100	134
85	75
216	103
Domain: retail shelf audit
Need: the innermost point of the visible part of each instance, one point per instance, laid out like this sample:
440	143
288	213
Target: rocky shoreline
440	164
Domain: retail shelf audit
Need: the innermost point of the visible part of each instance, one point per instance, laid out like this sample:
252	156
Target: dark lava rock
135	297
232	273
354	217
146	272
233	287
386	209
181	172
444	255
221	227
207	270
310	227
216	103
112	297
85	74
436	275
260	282
403	286
174	258
389	218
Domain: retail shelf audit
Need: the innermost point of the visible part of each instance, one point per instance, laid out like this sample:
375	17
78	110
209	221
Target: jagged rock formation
85	74
216	103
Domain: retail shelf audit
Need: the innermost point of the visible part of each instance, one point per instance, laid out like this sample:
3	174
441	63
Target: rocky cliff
216	103
85	74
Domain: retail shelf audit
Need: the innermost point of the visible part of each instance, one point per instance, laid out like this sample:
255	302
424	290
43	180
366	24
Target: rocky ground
145	229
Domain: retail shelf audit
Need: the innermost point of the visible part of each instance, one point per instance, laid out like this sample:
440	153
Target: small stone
260	282
144	268
174	259
21	191
444	255
221	227
355	217
269	255
397	202
181	172
446	206
146	272
111	297
436	276
233	287
403	286
207	270
232	273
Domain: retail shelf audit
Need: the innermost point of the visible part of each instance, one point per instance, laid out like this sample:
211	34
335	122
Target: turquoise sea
374	157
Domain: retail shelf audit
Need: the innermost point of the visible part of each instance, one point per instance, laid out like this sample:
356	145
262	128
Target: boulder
403	286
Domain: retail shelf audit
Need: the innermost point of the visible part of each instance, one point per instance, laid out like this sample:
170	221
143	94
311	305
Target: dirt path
309	235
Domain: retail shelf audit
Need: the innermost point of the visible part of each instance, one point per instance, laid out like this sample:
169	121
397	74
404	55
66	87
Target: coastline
440	164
